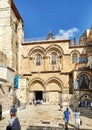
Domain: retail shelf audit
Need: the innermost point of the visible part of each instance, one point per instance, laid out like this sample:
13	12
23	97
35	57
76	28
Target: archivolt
36	50
75	51
36	80
54	48
56	81
87	74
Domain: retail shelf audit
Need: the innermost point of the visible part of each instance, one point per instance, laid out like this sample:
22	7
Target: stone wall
6	86
6	96
11	33
3	58
11	37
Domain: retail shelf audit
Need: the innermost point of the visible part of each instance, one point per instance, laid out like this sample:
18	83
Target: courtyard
47	117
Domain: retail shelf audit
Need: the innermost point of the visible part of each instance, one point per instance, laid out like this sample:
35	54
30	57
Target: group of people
35	102
67	115
14	123
85	103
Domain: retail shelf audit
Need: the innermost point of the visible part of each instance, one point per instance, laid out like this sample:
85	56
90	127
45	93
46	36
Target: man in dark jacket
14	121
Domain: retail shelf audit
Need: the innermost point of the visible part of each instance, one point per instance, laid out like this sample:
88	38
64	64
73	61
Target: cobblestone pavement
47	117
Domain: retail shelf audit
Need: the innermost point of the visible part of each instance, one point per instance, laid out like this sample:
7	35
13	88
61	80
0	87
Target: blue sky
69	18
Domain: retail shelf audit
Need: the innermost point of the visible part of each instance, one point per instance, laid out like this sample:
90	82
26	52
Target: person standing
0	111
77	118
66	117
14	123
13	109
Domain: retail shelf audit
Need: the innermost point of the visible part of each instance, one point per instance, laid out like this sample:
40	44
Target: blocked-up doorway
38	95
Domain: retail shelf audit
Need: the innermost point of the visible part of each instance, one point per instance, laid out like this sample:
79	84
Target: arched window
53	58
38	60
83	82
74	57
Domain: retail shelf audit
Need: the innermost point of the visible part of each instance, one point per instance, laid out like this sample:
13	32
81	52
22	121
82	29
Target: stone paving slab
47	117
44	128
50	128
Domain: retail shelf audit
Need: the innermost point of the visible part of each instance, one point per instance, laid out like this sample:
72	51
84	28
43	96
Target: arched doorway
36	90
54	91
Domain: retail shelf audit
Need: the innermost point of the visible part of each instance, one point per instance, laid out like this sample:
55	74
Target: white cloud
67	33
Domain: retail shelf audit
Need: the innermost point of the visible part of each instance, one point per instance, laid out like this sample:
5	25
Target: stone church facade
52	70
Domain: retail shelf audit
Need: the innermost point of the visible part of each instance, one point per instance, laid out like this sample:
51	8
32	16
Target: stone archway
54	91
36	90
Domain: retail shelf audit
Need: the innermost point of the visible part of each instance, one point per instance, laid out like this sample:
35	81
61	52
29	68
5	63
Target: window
38	60
83	82
74	58
53	58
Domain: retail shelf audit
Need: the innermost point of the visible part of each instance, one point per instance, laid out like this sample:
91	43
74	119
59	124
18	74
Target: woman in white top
77	118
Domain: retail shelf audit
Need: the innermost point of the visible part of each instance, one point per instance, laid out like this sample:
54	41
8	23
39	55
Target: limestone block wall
6	86
4	25
11	33
44	77
3	58
89	61
22	90
20	39
11	37
5	31
81	65
26	64
10	75
6	73
67	64
52	85
3	72
6	97
45	49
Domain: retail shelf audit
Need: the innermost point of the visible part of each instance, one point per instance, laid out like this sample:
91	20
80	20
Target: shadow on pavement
72	125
